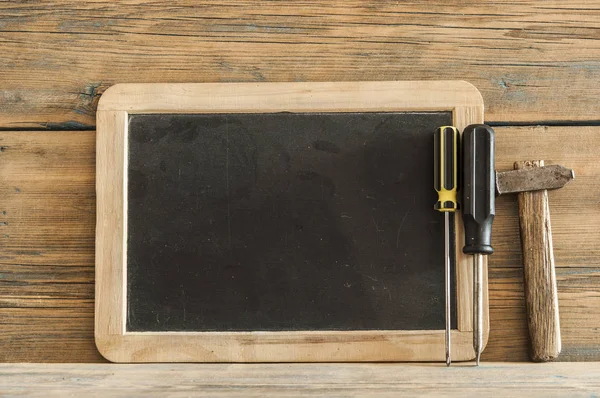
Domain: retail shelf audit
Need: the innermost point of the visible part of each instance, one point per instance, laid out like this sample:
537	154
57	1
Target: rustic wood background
536	63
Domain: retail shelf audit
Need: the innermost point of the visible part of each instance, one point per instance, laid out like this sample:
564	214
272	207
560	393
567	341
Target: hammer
532	180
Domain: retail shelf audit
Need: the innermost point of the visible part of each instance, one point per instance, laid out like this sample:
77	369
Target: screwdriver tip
448	361
478	357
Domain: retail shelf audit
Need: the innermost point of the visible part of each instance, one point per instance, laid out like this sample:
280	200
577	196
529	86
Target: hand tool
478	208
532	180
445	182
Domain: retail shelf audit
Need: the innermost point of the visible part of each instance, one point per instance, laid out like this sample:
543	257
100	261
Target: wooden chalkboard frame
115	106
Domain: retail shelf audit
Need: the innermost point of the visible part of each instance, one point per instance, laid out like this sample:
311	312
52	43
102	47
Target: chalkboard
276	222
284	221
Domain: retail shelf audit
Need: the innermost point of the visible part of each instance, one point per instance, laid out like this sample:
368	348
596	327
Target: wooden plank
509	336
532	61
48	200
47	216
305	380
49	334
41	294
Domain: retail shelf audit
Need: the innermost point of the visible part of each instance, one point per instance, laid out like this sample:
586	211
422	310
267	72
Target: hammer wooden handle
538	268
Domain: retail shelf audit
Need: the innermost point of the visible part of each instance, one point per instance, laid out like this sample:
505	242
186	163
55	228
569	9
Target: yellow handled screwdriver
445	182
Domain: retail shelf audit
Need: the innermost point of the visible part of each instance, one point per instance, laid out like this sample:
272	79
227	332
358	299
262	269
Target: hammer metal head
533	179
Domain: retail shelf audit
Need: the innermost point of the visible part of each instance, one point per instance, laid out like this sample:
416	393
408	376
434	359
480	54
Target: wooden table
301	380
537	64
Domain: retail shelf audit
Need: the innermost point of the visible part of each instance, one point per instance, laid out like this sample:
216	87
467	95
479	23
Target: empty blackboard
275	222
284	221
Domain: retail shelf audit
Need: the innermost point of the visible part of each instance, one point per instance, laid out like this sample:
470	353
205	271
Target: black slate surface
283	222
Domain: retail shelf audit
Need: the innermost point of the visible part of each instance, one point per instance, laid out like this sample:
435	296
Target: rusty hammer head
529	177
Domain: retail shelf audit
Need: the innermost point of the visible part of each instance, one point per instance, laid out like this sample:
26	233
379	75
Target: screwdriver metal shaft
478	213
478	305
446	177
447	269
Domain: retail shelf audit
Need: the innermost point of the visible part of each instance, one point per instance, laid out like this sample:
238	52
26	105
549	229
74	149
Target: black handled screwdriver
445	182
478	211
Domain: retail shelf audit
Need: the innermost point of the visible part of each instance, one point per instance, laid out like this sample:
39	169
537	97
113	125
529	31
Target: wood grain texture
541	298
531	60
47	246
301	380
53	321
117	344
